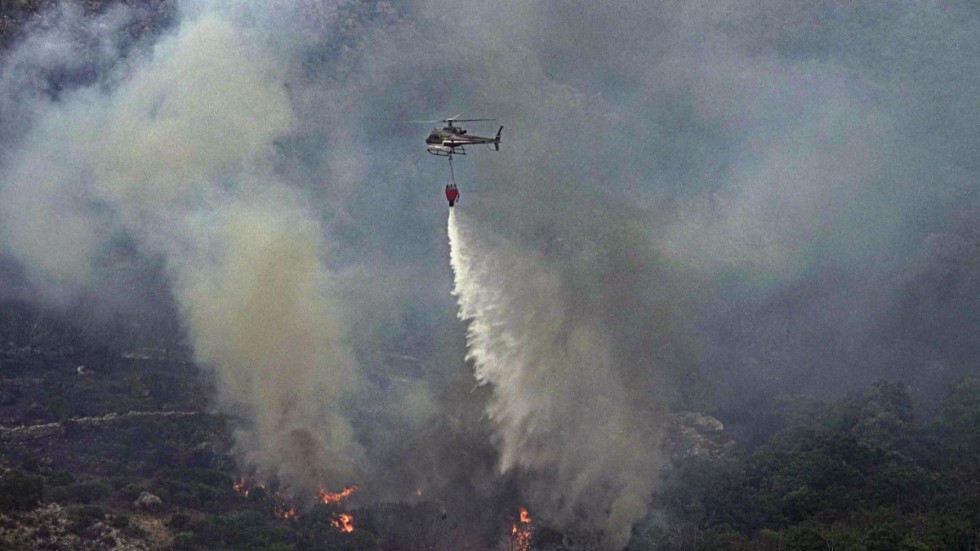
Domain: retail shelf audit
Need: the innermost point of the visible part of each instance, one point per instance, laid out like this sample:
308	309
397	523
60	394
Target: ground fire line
285	509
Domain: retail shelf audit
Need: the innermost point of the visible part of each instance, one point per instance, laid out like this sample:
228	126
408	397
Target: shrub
87	491
132	491
81	517
58	493
183	541
119	521
722	538
60	478
19	491
179	521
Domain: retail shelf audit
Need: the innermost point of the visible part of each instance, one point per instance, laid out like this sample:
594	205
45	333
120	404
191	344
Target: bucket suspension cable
452	174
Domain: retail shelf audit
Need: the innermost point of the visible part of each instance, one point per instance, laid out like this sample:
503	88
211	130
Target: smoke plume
178	156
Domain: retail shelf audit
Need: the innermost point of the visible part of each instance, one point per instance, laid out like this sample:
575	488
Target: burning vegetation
326	497
521	532
342	521
285	508
243	487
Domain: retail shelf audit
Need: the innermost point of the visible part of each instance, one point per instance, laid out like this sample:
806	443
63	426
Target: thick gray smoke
178	156
695	204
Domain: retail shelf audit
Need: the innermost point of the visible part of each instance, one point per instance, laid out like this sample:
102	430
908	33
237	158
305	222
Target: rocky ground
53	527
91	437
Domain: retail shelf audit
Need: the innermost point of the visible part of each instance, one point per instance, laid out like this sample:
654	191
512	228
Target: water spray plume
562	406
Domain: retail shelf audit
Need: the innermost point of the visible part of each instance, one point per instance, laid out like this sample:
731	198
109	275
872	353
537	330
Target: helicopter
452	140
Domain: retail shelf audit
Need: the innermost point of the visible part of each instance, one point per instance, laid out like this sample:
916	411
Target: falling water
560	411
493	345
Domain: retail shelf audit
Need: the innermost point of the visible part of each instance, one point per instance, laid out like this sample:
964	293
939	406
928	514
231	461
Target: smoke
178	157
562	409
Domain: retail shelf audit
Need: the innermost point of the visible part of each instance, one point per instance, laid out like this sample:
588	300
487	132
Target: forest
868	472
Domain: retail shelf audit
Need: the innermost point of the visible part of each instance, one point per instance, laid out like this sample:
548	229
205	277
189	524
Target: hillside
714	290
108	448
104	448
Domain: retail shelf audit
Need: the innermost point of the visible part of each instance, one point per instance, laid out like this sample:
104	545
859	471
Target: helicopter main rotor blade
449	120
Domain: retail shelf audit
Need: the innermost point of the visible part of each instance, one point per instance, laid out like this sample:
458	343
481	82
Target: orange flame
521	532
284	509
326	497
343	522
243	486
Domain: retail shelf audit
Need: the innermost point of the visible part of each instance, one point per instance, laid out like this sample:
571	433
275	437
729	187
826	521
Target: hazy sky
695	204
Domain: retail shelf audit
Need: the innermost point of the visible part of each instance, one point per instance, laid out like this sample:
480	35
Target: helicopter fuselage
452	140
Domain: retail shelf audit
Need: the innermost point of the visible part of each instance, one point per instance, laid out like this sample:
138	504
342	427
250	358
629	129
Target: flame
343	522
521	532
286	512
326	497
243	486
285	509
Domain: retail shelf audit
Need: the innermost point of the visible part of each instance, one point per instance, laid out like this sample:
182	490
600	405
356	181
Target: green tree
955	432
722	538
883	538
803	538
882	416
